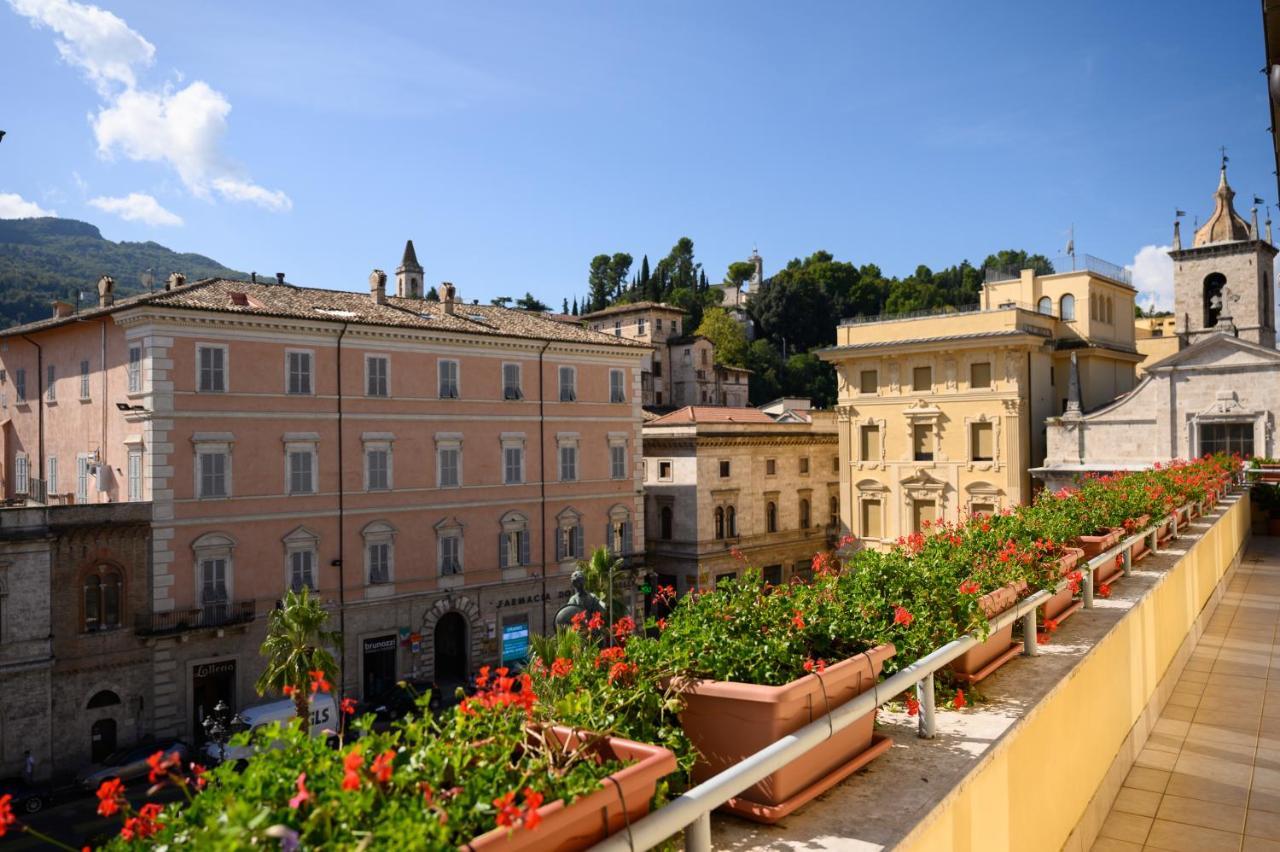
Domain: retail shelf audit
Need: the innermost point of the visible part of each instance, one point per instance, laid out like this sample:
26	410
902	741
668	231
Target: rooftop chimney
279	277
105	297
63	309
378	286
176	280
448	294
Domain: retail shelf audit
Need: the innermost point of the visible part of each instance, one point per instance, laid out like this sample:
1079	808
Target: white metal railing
691	812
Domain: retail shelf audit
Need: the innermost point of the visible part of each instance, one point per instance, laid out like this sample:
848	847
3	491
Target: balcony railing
201	618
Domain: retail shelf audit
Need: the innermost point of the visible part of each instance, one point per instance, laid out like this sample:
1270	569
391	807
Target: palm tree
602	573
294	648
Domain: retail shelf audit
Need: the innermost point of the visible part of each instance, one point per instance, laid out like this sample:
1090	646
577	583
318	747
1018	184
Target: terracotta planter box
1063	605
982	660
728	722
1140	549
590	819
1183	514
1092	545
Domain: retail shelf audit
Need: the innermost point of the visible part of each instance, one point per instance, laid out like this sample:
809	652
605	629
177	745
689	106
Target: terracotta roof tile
691	414
633	306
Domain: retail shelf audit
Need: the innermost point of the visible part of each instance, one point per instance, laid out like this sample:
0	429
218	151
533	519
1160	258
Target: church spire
409	274
1224	224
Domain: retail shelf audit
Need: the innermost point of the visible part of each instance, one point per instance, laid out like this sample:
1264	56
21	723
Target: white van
324	722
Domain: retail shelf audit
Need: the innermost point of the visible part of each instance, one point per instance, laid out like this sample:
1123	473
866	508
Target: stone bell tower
1223	283
409	274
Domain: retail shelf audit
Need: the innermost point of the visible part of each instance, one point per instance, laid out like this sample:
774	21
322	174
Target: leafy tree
1014	260
433	295
677	271
295	647
794	307
527	302
606	278
597	570
501	301
726	335
739	273
808	375
765	364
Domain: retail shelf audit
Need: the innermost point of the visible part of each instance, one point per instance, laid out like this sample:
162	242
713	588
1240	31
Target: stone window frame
616	440
99	569
301	539
85	396
621	376
214	545
994	462
209	443
515	523
804	505
568	441
135	481
133	369
310	373
922	486
771	498
619	529
1263	428
301	442
456	386
512	441
924	414
385	358
880	423
876	491
566	391
21	473
378	441
377	533
454	529
514	392
932	388
448	441
226	367
991	374
985	493
571	536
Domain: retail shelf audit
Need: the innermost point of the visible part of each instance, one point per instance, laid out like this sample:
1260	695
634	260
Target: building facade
939	416
681	369
1156	339
1217	388
432	469
730	487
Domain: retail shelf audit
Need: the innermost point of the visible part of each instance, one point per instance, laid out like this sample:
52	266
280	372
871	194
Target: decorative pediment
871	486
922	479
982	489
921	409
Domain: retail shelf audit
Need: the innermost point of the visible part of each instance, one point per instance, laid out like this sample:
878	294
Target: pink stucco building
433	468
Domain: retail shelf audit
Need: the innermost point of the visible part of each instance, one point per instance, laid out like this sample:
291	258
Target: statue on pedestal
581	601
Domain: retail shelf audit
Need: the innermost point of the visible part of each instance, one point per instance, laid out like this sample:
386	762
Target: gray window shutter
559	545
524	547
577	542
502	550
626	537
608	536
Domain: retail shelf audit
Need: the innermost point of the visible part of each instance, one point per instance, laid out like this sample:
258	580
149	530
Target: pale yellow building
1156	339
941	416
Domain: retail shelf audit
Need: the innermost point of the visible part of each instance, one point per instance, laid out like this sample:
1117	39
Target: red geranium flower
197	775
969	587
561	667
1104	590
302	795
624	627
288	690
381	767
6	813
620	671
902	616
160	764
110	796
913	705
508	814
596	622
662	624
349	706
797	620
144	824
318	681
959	701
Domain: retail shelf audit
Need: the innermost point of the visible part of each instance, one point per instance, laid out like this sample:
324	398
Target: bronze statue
581	601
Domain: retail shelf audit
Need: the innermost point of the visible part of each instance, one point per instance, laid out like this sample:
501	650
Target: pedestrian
28	766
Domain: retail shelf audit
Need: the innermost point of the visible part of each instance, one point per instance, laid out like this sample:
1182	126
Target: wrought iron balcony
200	618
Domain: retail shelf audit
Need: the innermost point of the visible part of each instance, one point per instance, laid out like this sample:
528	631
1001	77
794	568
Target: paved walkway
1209	777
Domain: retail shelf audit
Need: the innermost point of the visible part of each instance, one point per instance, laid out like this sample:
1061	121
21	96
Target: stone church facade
1220	391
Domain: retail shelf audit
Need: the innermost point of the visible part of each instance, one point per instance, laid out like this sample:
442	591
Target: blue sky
515	141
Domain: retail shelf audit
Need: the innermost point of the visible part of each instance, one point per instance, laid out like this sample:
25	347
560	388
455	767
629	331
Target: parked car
130	763
27	798
324	722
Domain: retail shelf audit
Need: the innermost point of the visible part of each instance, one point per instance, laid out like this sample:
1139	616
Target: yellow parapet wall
1033	787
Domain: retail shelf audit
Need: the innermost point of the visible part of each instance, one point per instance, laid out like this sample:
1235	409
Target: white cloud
137	207
14	206
1152	270
178	127
100	43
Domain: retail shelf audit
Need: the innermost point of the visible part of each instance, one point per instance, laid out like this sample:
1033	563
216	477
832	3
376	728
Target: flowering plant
426	783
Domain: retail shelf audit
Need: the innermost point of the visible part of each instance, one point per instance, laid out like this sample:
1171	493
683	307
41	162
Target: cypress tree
575	306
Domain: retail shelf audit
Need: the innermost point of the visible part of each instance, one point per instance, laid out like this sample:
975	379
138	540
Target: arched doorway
451	649
102	739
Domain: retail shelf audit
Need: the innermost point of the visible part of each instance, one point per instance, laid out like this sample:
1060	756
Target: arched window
804	514
1067	307
771	517
666	522
379	552
1214	283
513	541
719	522
1045	306
102	599
214	574
619	534
731	518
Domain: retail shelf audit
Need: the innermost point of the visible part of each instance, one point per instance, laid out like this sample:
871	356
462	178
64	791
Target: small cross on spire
1223	150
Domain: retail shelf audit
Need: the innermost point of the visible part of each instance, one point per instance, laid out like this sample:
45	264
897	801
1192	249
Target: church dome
1225	224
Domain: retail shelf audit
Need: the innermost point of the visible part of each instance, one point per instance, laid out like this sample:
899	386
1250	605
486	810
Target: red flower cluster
913	705
797	620
6	813
820	665
1104	590
622	671
511	815
624	627
959	700
561	667
969	587
318	681
303	793
503	692
110	796
144	824
162	764
596	622
351	769
349	706
381	767
902	616
608	656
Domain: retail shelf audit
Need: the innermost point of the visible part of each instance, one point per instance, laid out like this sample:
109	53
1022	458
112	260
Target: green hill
47	258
